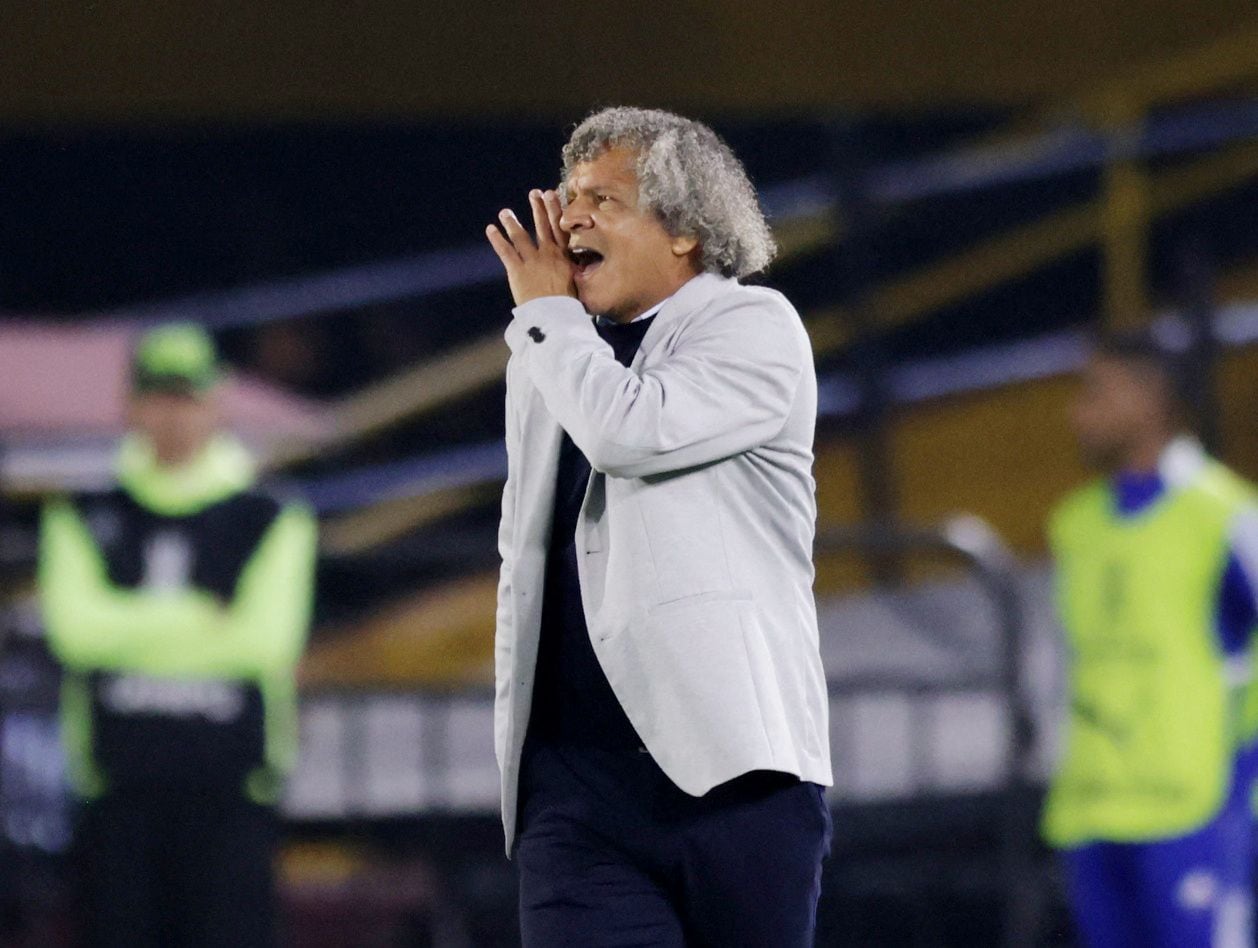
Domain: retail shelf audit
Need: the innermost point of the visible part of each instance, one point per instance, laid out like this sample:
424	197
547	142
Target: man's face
1118	405
177	424
624	260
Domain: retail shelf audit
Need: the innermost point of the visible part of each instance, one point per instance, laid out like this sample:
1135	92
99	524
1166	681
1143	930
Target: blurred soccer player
1157	570
178	603
657	636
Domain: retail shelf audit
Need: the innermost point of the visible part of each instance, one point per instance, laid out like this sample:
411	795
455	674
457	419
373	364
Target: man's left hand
534	269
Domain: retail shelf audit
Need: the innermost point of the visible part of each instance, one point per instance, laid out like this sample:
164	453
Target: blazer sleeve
504	620
727	387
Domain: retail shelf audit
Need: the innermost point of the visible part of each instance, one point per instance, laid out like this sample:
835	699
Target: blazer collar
693	296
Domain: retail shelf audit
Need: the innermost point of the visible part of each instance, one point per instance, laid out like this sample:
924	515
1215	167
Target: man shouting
661	720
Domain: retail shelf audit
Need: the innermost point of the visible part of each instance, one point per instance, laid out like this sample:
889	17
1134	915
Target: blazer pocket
661	611
682	521
694	660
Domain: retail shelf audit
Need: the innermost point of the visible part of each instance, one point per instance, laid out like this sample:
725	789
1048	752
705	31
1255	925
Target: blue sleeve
1238	611
1237	617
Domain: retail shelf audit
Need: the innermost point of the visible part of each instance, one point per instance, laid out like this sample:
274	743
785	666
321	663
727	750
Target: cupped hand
535	267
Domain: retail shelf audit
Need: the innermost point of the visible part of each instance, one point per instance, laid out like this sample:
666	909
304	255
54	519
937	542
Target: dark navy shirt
572	700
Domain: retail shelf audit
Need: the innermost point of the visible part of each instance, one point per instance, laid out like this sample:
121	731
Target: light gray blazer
694	541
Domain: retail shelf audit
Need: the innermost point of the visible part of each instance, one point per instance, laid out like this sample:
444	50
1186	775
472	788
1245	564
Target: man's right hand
533	269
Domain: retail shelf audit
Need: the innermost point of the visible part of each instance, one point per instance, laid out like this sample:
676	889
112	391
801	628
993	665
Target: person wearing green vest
1157	567
178	603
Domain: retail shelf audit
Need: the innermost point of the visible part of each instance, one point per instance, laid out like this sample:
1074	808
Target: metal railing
415	753
971	542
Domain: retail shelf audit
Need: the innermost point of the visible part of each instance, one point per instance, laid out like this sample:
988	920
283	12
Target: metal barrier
398	754
420	754
975	545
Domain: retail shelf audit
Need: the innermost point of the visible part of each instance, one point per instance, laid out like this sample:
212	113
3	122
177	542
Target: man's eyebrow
592	185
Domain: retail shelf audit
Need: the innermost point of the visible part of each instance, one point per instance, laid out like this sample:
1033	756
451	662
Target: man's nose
573	218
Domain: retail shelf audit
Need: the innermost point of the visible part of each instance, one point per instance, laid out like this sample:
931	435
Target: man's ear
684	246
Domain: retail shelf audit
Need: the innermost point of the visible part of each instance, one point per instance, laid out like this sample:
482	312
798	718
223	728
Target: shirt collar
1179	465
604	321
652	311
222	469
1182	460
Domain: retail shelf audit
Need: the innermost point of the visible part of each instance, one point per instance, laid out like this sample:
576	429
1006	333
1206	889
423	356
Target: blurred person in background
662	709
178	603
1157	567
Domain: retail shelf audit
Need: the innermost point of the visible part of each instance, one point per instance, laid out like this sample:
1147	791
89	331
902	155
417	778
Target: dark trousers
177	869
611	853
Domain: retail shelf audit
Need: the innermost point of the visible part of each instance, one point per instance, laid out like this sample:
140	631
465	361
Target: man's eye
602	198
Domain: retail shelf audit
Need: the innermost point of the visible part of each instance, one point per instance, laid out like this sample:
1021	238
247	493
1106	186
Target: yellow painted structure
1006	455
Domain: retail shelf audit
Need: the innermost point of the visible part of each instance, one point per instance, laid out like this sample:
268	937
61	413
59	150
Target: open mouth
585	260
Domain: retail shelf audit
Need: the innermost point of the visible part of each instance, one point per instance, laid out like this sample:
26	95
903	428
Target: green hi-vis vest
1153	728
178	605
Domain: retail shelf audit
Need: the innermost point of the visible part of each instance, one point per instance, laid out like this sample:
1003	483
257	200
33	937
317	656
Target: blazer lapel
690	298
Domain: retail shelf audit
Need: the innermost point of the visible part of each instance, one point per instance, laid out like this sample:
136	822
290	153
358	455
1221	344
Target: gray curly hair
690	178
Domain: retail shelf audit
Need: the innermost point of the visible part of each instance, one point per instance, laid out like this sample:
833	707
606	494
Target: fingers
516	233
502	247
546	233
512	243
554	211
